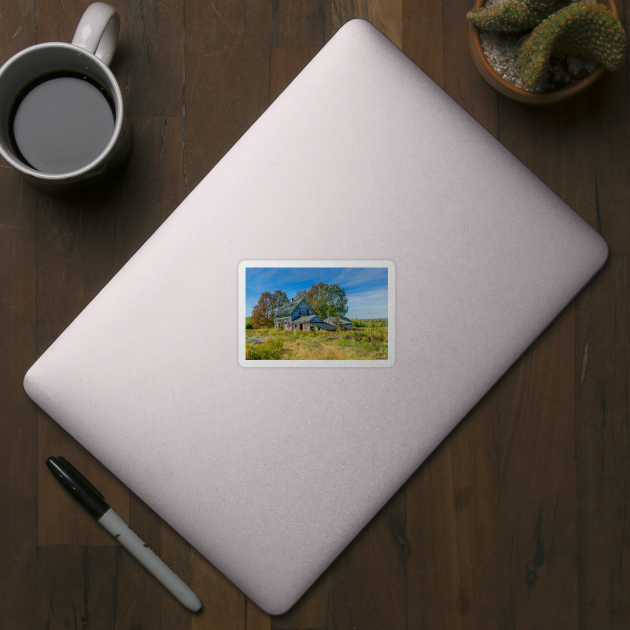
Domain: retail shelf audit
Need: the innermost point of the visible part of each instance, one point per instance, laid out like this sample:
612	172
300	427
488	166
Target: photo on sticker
316	313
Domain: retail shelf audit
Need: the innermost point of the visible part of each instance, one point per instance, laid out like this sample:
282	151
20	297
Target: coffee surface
62	124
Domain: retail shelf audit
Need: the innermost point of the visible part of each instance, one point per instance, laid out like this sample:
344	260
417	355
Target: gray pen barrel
149	559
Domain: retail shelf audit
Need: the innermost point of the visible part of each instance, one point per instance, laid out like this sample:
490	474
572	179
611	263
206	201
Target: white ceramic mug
88	57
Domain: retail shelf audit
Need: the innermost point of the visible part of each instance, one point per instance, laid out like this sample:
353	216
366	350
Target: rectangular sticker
316	313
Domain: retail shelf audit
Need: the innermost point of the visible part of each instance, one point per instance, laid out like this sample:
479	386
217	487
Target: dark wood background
518	520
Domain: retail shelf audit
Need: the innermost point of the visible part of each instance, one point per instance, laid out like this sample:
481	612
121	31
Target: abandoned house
345	322
298	315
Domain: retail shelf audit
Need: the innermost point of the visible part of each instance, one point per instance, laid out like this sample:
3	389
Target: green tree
327	300
278	300
267	307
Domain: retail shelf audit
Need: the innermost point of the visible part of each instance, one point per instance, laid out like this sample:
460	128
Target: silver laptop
363	174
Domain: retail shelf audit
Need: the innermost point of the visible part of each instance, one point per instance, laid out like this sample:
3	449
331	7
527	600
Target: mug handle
98	30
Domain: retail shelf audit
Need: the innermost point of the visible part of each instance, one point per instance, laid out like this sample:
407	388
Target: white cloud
371	303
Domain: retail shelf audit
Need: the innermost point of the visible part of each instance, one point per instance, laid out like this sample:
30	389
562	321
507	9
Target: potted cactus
558	49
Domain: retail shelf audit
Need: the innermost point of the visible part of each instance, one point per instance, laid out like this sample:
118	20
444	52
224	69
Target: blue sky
365	287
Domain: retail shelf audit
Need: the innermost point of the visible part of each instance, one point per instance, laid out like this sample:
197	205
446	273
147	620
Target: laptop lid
362	164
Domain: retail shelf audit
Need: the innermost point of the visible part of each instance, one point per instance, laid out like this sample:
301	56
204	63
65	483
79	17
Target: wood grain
154	57
422	36
17	28
537	510
386	15
452	515
609	133
461	79
301	23
517	520
76	587
559	148
226	78
18	416
602	380
369	577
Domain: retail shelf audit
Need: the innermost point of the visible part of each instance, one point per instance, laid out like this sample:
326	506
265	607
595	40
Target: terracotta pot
518	94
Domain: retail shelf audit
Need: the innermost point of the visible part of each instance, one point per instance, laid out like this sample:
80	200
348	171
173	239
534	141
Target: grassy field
282	345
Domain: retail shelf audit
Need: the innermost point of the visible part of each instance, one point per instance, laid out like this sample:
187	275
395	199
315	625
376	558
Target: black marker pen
94	502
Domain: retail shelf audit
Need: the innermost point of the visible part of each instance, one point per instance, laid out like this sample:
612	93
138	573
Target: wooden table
518	520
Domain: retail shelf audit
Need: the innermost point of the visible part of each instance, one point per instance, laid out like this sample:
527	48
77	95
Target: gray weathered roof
307	318
287	309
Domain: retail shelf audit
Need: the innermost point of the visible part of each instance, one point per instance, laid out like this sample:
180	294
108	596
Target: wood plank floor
518	520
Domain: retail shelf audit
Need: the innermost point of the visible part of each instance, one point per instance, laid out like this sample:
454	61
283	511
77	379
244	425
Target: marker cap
78	486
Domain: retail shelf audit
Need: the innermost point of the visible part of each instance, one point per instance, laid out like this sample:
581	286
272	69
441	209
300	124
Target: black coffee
61	123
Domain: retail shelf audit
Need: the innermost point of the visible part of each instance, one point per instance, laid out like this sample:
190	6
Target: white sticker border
391	314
